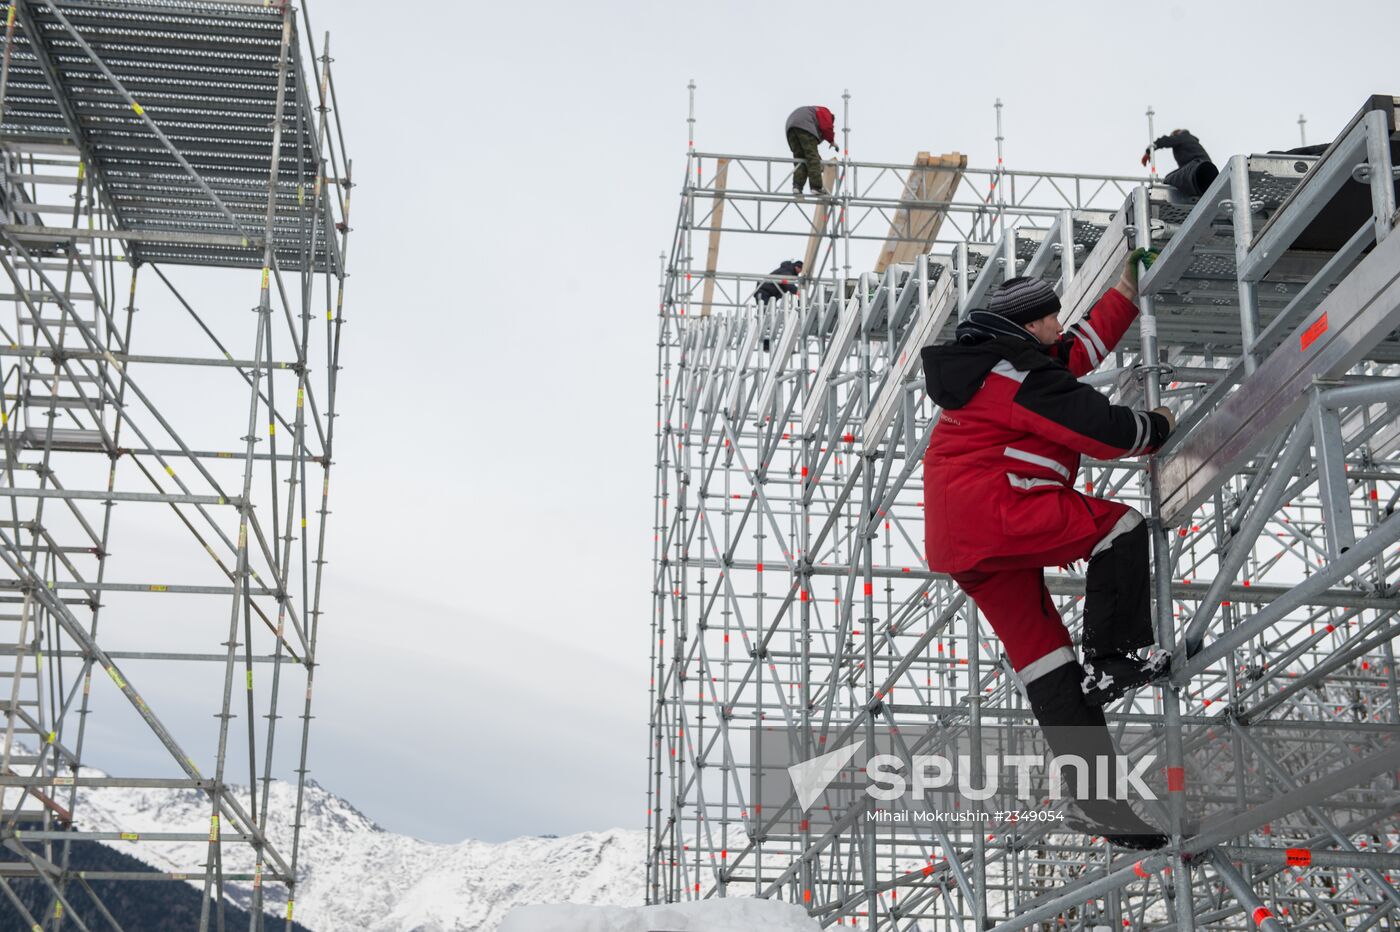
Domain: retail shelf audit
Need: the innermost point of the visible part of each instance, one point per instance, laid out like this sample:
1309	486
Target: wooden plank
716	223
814	241
913	229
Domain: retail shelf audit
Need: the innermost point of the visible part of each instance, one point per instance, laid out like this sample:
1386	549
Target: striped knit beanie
1023	300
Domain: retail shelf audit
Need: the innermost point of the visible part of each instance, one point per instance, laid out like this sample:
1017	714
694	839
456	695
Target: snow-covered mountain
357	876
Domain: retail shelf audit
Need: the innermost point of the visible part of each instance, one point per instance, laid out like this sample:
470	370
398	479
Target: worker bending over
789	272
1000	506
807	128
1195	171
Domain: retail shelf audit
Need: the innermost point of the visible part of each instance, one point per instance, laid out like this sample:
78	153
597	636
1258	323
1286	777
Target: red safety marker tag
1261	914
1298	857
1315	330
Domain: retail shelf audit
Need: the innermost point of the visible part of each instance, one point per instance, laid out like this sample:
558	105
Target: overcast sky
486	634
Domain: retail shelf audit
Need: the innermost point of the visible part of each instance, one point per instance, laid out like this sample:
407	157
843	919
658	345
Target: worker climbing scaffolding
1001	506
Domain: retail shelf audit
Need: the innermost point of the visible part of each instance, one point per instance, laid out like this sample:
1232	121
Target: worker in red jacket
807	128
1000	506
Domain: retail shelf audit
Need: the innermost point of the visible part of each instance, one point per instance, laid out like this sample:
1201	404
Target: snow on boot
1108	677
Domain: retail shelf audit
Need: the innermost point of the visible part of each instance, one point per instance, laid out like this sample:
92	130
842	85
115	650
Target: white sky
488	600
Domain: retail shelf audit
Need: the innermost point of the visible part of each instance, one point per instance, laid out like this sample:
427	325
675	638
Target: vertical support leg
1242	215
1331	474
961	254
1066	250
243	579
1382	176
1161	581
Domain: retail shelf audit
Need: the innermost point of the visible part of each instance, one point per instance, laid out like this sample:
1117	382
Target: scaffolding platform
791	593
175	116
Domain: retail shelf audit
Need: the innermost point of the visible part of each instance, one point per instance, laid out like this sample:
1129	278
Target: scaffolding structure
791	590
164	479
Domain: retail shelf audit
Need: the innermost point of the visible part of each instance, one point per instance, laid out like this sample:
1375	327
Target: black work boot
1110	676
1115	820
1072	725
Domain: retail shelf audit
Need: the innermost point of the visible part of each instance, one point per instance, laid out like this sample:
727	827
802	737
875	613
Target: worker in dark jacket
1000	506
789	273
1195	171
807	128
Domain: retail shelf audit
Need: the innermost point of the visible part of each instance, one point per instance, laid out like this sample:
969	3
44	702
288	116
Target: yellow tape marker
10	16
159	588
171	471
301	397
289	909
140	110
264	280
272	429
82	173
250	679
130	836
213	828
116	677
53	736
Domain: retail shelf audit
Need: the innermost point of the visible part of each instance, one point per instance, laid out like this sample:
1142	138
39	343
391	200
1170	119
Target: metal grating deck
206	74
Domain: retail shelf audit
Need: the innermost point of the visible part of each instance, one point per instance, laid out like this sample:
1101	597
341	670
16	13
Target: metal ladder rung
62	376
64	439
54	323
64	401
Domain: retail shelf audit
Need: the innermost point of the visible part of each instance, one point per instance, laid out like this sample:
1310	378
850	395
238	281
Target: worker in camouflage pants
808	128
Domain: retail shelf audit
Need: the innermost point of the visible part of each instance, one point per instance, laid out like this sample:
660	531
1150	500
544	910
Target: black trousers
1117	609
1194	177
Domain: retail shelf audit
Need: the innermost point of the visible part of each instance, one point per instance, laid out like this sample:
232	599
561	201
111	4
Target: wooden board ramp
932	181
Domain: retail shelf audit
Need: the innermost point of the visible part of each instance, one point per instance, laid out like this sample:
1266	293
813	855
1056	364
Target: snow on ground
357	877
729	915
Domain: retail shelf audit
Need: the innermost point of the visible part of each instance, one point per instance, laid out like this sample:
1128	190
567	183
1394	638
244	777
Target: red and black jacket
1016	417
